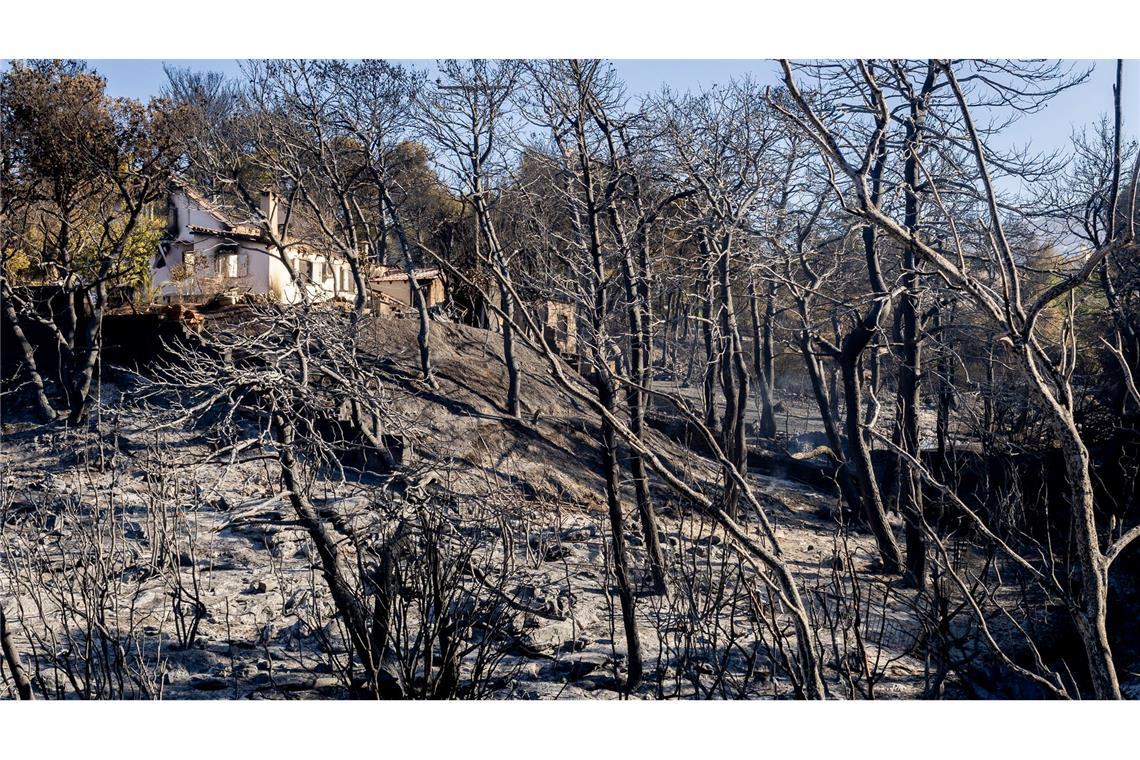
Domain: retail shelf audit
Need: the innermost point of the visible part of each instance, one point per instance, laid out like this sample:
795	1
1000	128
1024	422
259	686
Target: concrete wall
285	290
399	290
559	326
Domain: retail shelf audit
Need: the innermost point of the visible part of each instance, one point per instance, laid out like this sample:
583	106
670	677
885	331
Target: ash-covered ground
146	562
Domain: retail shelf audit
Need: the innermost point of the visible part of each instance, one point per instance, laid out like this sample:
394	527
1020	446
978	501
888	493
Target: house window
226	263
235	265
189	261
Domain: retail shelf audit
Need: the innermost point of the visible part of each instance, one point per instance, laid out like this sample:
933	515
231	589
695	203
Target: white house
206	253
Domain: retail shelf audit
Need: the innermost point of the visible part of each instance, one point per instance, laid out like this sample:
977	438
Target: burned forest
507	379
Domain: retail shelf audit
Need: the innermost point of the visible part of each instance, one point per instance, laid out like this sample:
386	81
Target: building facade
206	253
391	291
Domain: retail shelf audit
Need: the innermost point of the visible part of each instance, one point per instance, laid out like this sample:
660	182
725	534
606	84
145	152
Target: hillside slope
172	522
551	453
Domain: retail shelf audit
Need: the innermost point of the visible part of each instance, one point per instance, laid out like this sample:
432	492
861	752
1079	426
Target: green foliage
81	167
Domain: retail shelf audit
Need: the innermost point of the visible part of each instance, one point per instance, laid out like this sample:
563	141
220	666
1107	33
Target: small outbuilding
391	289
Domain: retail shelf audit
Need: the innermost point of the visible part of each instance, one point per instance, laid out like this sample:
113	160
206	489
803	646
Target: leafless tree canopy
816	389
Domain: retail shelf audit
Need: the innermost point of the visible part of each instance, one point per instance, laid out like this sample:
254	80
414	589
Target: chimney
271	209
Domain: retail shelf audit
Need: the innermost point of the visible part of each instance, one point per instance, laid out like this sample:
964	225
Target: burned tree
82	171
1003	300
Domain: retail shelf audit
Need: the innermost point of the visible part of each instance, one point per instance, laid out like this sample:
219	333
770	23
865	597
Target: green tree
81	170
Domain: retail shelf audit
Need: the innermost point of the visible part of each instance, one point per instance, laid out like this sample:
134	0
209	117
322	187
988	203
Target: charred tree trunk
1091	613
734	379
910	350
850	363
873	511
710	341
762	359
611	470
44	407
909	483
85	358
506	302
423	337
848	487
634	278
12	658
769	352
348	604
604	385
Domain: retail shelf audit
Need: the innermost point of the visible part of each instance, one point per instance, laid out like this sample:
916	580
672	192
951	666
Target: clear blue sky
1047	130
142	77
